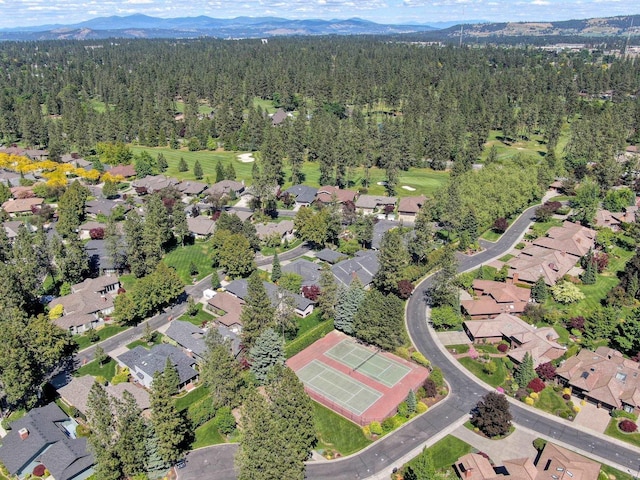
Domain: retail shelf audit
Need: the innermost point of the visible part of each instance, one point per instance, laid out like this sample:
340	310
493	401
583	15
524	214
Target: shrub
503	347
500	225
366	431
622	414
56	312
437	377
121	377
539	444
577	323
546	371
421	408
225	421
576	408
405	289
403	410
534	395
82	431
529	401
312	292
96	233
537	385
627	426
420	359
490	367
375	428
566	396
388	424
566	390
101	380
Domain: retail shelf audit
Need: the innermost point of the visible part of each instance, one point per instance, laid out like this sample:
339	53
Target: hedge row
302	342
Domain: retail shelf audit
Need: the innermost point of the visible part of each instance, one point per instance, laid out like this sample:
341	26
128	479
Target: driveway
592	417
517	445
210	462
453	338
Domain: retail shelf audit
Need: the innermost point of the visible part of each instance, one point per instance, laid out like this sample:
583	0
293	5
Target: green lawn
424	180
506	258
207	434
594	294
446	451
475	367
127	280
613	431
336	432
541	228
107	370
269	251
551	401
302	341
491	235
614	474
183	402
532	148
563	334
307	323
104	333
181	257
202	107
199	318
266	105
157	340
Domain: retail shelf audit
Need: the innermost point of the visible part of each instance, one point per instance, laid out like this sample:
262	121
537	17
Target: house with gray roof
143	364
379	229
45	437
200	227
100	260
76	393
330	256
278	117
153	183
369	204
189	337
303	306
191	188
303	194
364	265
309	271
103	206
283	230
226	188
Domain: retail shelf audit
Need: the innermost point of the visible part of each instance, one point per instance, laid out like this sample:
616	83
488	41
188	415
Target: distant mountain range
143	26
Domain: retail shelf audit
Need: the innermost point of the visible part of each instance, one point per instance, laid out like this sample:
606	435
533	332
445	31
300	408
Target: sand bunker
246	158
407	187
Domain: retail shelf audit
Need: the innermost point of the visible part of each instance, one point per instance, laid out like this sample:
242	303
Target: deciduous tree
491	415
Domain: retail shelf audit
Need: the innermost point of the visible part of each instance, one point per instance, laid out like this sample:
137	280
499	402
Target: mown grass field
107	370
424	180
445	452
337	433
613	431
207	434
181	258
104	333
475	367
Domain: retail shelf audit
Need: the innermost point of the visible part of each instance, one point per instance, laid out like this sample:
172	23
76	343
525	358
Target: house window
628	408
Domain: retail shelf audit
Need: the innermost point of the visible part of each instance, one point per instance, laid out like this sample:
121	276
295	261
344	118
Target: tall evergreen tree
220	371
393	258
258	313
197	170
540	291
180	226
168	424
104	435
349	300
182	165
267	352
276	270
131	435
524	372
328	293
445	291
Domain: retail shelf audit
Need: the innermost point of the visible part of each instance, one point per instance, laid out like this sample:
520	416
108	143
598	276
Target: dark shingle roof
309	271
302	193
154	360
365	265
187	335
330	256
379	229
239	289
66	456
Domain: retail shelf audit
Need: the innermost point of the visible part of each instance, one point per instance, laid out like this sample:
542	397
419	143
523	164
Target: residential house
191	189
309	271
85	229
12	179
153	183
189	337
571	238
45	438
369	204
330	256
201	227
329	194
614	220
603	377
125	171
278	117
226	188
22	192
303	194
379	229
22	206
363	265
302	306
143	364
243	215
228	307
76	393
103	206
12	227
282	230
540	343
494	298
100	260
88	304
409	207
36	154
553	463
534	262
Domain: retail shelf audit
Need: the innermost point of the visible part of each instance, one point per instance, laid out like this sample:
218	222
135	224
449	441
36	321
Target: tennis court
368	362
338	387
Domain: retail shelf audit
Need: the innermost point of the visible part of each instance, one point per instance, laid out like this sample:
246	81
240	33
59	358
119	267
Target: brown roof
570	237
496	298
83	302
76	392
225	187
22	192
74	320
535	261
95	284
201	225
326	195
411	205
374	201
581	468
265	230
231	305
605	375
124	170
21	204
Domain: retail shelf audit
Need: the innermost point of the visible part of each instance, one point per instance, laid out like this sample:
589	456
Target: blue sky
15	13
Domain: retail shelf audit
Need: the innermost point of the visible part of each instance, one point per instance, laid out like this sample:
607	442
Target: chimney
24	433
516	277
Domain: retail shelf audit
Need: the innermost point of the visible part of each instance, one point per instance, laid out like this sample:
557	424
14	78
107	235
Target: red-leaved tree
627	426
546	371
405	288
500	225
312	292
537	385
96	233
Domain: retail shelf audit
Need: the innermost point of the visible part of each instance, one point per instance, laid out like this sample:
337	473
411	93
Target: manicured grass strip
157	340
199	318
207	434
506	258
336	432
181	258
104	333
611	472
446	451
182	403
107	370
613	431
551	401
491	235
303	341
307	323
563	334
461	348
475	367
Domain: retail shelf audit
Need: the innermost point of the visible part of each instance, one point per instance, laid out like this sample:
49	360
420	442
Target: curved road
465	393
